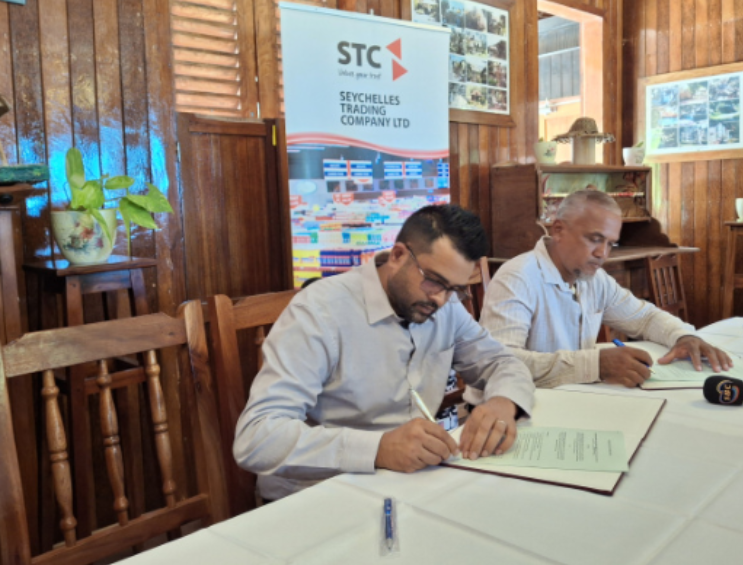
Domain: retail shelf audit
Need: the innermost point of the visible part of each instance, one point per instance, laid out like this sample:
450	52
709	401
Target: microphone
723	390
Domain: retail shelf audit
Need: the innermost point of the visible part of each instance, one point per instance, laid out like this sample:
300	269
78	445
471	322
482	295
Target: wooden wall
475	148
692	199
92	74
97	74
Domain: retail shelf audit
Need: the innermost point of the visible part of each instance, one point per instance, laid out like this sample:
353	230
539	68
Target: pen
388	533
619	343
422	406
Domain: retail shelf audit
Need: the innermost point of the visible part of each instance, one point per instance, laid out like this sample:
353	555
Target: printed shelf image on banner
367	131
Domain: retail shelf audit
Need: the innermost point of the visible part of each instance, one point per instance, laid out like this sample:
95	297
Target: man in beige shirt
548	305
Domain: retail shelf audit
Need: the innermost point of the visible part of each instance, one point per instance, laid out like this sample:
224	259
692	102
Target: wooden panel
232	220
699	195
7	133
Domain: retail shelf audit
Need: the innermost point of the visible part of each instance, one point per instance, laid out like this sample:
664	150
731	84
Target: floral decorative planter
545	151
80	237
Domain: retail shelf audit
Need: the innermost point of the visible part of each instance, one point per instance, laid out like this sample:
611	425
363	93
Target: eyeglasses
431	286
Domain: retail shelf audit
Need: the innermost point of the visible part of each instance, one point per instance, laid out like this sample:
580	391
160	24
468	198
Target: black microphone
723	390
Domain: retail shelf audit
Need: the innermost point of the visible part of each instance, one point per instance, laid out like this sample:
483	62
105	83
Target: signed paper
561	448
680	373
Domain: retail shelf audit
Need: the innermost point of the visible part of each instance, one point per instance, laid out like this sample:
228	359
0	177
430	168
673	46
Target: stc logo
368	55
728	392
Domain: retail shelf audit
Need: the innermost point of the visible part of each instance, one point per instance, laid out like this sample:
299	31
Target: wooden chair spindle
112	444
57	442
160	426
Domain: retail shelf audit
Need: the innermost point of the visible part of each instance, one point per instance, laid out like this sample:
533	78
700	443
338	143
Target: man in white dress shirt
340	364
548	305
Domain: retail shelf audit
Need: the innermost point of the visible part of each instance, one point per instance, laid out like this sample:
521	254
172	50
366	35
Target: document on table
560	448
680	373
613	412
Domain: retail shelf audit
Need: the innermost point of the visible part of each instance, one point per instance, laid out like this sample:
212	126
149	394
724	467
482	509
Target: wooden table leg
81	448
728	287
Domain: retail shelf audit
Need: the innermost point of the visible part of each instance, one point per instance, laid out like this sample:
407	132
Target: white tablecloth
680	503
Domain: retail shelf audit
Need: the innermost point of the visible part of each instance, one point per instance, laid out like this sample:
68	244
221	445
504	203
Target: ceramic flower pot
80	237
545	151
633	156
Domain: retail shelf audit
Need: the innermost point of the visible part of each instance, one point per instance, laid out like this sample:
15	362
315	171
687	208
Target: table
680	503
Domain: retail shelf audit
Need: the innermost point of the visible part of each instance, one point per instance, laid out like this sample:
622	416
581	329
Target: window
209	75
570	71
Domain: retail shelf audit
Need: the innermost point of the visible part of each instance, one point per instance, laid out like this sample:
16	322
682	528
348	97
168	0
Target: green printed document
560	448
574	438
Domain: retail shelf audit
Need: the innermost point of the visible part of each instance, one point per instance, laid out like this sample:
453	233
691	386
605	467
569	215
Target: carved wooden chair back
666	286
46	351
226	318
478	284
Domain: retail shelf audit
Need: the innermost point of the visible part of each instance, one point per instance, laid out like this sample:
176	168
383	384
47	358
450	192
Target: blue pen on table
389	534
619	343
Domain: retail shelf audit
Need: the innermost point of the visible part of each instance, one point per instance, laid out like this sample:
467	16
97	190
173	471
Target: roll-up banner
367	125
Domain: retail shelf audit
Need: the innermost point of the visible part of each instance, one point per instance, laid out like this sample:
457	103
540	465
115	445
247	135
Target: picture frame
479	58
694	114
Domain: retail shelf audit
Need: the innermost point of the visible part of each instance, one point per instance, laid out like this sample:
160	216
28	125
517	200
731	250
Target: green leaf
134	213
154	201
117	183
101	220
74	168
89	197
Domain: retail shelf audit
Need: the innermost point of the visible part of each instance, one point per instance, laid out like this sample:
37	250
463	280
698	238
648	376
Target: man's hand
490	428
693	348
413	446
626	366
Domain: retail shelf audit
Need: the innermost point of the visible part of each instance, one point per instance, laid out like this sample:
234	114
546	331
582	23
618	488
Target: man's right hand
624	366
414	445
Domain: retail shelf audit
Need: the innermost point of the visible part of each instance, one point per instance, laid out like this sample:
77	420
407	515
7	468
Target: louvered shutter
209	76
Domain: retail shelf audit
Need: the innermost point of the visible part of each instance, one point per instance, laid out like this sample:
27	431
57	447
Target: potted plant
634	156
545	151
85	231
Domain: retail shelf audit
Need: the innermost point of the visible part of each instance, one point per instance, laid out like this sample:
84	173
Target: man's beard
407	311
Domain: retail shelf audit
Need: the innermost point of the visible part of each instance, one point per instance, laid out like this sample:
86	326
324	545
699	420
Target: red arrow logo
396	48
397	70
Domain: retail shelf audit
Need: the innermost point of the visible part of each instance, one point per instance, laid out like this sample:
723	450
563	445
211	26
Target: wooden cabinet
525	198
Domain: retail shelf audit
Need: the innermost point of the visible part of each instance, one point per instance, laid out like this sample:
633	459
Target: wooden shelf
624	221
619	254
13	194
589	168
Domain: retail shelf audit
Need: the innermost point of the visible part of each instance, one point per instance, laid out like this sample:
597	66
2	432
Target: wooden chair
43	352
666	286
226	318
478	284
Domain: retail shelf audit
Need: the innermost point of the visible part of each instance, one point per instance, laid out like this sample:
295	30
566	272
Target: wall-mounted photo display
694	112
478	52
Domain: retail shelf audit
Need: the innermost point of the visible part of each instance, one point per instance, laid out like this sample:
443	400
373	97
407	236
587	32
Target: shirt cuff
359	450
587	366
682	332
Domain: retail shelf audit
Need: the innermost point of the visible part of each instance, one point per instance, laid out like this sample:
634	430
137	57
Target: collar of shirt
550	272
377	304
